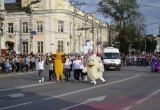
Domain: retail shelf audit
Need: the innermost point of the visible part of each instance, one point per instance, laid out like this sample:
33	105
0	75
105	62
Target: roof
12	7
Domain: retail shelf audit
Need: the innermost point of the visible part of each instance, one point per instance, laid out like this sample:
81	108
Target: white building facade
52	25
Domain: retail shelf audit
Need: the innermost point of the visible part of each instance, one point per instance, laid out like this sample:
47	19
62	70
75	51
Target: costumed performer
58	66
95	69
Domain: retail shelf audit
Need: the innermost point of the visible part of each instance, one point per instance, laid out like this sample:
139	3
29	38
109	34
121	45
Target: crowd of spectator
137	60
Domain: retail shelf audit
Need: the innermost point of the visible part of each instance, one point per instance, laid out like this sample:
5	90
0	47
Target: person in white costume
95	69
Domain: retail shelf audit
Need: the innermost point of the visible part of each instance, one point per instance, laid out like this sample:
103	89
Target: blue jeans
6	70
67	73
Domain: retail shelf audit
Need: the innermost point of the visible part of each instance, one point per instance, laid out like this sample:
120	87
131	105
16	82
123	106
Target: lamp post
1	27
130	49
30	12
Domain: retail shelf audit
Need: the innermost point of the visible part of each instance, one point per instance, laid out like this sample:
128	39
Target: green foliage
121	11
128	21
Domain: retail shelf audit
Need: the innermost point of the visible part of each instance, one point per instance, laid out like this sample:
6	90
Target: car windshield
111	55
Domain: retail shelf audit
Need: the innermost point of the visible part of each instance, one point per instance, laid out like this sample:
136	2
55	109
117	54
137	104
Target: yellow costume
58	65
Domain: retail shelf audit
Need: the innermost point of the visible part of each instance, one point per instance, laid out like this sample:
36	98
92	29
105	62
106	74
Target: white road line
92	87
127	108
15	105
143	100
101	98
154	93
75	105
71	92
27	86
1	100
16	95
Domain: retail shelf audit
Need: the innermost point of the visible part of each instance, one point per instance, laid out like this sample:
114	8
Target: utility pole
1	26
29	11
145	43
86	17
98	42
31	30
93	33
74	42
109	39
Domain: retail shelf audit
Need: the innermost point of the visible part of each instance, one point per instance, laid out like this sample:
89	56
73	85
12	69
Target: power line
144	5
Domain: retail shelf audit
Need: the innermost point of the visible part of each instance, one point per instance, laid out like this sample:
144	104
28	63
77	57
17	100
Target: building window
25	27
60	46
39	26
40	46
60	26
25	47
10	27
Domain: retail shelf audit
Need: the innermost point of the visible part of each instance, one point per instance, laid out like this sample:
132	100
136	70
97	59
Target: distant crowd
24	63
15	63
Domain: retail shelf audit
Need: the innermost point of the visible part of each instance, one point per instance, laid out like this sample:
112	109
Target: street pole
31	30
74	40
130	49
1	28
145	44
93	33
109	39
0	35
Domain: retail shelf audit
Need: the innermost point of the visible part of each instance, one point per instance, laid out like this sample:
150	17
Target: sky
149	8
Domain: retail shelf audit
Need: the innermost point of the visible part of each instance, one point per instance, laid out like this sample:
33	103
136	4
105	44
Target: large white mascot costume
95	69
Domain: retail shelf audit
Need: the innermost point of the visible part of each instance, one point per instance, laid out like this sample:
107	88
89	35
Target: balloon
91	42
86	47
85	51
81	49
91	47
88	43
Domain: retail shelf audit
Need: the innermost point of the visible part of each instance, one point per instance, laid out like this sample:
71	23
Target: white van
111	58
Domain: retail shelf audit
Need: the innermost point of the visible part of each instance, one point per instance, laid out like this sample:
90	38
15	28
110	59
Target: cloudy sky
151	12
149	8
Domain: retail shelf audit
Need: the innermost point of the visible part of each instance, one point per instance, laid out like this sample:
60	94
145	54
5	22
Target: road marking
26	86
1	100
66	93
92	87
154	93
16	95
101	98
142	100
15	105
127	108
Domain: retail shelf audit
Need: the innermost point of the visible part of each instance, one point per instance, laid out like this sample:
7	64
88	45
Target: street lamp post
130	49
29	11
31	30
1	27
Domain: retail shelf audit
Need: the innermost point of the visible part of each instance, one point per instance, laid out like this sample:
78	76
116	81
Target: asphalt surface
132	88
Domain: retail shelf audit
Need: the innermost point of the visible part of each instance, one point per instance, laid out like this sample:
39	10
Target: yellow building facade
43	26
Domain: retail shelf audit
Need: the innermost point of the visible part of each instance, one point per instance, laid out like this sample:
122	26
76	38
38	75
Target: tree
151	44
123	13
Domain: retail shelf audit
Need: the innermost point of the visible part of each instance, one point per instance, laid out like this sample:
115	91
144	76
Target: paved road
132	88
